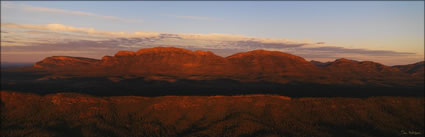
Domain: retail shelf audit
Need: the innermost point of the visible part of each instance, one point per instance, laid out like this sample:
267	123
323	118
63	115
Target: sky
388	32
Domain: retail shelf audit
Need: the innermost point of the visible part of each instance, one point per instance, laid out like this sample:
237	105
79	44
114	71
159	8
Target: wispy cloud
341	50
46	52
68	12
193	17
66	28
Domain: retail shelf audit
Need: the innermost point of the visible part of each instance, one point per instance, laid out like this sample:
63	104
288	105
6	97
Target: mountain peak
420	63
344	60
125	53
173	50
63	61
261	52
200	52
162	50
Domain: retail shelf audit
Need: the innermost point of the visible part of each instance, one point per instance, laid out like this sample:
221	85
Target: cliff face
258	65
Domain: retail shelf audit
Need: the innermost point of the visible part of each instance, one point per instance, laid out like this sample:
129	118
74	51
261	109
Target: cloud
45	52
68	12
341	50
65	28
215	36
51	27
267	45
56	38
193	17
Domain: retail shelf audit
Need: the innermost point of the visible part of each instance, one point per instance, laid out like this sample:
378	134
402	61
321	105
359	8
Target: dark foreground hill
174	71
74	115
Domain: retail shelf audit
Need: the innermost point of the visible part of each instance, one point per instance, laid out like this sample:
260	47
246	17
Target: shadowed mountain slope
416	69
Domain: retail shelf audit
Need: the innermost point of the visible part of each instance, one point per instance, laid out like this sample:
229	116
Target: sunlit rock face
166	61
171	64
272	64
64	61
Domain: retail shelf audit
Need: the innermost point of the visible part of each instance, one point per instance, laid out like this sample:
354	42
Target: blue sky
381	25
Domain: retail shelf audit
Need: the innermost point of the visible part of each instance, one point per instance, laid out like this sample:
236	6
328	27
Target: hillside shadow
102	86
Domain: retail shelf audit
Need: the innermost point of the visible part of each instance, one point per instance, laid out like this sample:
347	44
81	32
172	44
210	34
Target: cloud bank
59	39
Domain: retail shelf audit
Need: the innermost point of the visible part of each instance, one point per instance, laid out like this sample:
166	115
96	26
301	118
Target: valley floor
70	114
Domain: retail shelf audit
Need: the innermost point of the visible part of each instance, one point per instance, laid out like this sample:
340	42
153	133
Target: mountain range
240	71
